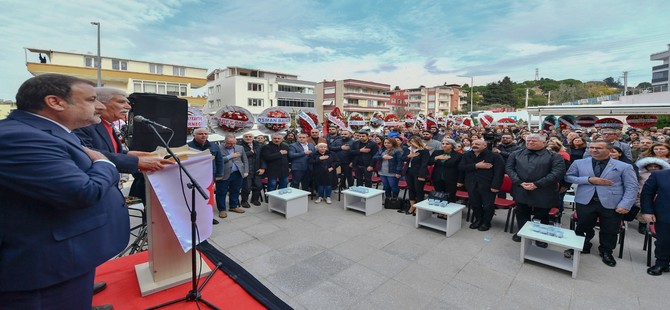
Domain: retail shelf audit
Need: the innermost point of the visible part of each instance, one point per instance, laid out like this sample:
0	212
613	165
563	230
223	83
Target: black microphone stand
194	294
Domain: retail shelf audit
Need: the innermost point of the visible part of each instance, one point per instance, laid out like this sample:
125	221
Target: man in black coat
252	183
362	152
535	173
344	157
274	164
507	146
483	173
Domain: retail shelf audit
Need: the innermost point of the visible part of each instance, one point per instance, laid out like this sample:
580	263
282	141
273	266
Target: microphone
142	119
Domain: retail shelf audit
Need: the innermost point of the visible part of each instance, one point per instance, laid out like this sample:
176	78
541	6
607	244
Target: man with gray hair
235	169
274	162
611	136
535	173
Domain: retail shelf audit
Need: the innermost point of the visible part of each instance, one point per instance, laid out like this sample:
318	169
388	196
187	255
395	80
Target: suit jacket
655	196
471	175
445	170
418	166
297	156
621	194
96	137
61	215
241	162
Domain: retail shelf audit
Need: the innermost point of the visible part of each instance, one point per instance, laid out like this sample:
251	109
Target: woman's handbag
393	203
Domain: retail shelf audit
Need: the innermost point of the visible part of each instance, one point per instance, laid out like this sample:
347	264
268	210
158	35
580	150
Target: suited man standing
252	183
62	214
235	169
483	173
607	190
535	173
298	154
655	207
274	163
104	138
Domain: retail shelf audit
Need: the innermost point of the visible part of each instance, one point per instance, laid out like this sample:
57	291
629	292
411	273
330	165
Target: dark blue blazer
655	196
297	156
96	137
61	215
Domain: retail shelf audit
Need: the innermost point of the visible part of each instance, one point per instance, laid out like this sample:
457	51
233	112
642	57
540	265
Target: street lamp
472	92
99	64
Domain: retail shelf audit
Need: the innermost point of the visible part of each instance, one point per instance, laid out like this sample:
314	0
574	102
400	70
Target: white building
256	90
660	77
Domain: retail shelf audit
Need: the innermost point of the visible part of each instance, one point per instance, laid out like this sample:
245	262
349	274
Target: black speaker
166	110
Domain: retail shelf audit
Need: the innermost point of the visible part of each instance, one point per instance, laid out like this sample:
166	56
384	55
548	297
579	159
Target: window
218	89
329	90
210	90
254	102
156	68
91	62
254	87
119	65
163	88
178	71
292	89
292	102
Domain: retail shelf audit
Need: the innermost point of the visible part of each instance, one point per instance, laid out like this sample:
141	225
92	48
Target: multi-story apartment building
660	77
352	96
257	90
397	101
127	74
439	100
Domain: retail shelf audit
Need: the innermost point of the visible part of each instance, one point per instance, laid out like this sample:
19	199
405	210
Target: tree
611	82
643	85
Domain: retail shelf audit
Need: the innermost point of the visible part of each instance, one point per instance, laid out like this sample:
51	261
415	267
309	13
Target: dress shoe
256	203
214	222
657	270
401	211
483	227
541	244
516	238
586	251
474	225
99	287
237	210
223	214
245	204
103	307
608	259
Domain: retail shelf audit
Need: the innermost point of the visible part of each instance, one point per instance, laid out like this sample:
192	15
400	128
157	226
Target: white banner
171	193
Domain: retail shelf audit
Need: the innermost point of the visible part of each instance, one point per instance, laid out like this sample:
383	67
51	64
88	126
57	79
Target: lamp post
472	92
99	64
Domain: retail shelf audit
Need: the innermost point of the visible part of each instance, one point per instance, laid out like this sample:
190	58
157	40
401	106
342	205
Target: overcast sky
403	43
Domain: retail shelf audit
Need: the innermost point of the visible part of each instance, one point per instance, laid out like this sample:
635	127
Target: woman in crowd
417	169
646	166
323	164
379	141
390	162
577	149
466	144
445	168
658	150
555	144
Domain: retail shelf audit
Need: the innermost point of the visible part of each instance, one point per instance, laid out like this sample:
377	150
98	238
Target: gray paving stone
359	280
268	263
296	279
326	295
302	250
385	263
260	229
249	250
328	262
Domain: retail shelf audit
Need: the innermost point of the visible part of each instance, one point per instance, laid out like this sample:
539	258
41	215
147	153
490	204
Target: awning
328	102
601	109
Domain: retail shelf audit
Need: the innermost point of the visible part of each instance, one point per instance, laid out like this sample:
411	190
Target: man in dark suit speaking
61	213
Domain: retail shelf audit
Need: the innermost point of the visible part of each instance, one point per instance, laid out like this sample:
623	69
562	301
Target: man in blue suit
298	153
655	205
607	190
61	213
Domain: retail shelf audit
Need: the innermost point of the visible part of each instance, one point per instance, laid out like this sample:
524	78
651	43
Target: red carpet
123	291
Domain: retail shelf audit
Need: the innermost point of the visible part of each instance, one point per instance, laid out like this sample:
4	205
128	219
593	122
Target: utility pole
99	65
526	98
537	74
625	83
549	97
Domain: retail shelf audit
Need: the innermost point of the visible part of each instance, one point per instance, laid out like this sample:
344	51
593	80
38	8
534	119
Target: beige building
352	95
439	100
127	74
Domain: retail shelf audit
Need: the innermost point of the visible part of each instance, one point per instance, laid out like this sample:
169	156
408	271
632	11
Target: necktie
598	169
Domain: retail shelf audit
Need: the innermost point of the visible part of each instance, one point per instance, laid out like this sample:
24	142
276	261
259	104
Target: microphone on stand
142	119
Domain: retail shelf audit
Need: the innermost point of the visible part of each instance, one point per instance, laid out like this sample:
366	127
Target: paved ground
330	258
